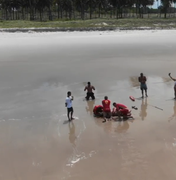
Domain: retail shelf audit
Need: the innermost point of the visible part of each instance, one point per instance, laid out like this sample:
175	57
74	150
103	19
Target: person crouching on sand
106	108
98	111
90	93
120	110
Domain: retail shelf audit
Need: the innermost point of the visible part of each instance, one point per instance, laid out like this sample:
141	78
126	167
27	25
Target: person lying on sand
90	93
174	79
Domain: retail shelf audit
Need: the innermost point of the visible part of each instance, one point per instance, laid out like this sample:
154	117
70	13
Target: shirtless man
90	93
142	79
174	84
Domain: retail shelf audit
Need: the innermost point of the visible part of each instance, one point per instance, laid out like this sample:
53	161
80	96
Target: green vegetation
44	10
93	23
86	14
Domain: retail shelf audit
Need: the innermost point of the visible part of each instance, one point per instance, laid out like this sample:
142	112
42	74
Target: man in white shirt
68	104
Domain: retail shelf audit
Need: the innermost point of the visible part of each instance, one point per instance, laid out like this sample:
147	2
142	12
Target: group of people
104	109
69	99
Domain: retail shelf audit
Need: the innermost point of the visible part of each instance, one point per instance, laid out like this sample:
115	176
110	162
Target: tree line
78	9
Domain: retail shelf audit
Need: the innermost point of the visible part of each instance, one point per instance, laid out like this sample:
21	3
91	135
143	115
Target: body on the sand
174	79
106	108
143	86
90	93
68	104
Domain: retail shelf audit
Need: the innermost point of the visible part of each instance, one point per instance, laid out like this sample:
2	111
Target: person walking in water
90	93
68	104
143	86
174	84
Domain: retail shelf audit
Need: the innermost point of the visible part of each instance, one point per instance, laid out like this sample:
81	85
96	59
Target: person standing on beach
106	108
68	104
143	86
174	84
90	93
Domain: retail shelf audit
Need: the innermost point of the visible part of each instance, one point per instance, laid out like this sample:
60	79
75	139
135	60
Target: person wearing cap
90	93
143	86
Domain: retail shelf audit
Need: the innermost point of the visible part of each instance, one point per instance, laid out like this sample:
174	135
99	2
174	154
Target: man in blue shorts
142	79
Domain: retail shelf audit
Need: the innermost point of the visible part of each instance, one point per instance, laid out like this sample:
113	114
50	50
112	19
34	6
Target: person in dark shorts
68	104
90	93
106	108
143	86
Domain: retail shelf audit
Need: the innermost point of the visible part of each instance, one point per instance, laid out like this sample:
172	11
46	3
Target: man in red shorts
121	110
98	111
106	108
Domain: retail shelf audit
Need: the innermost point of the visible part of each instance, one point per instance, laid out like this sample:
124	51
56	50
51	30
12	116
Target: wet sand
36	71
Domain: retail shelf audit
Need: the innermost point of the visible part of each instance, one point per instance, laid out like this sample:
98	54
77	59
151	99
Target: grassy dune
94	23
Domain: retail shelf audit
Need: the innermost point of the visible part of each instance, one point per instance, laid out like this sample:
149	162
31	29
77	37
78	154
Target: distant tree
165	5
140	4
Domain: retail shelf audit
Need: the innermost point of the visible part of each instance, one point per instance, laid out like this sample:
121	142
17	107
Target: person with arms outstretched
89	89
68	104
143	86
174	79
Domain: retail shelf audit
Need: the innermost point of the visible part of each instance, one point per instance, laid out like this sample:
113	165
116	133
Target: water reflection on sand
36	139
143	111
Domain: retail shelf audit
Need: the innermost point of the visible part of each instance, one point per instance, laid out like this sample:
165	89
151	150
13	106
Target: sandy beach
37	70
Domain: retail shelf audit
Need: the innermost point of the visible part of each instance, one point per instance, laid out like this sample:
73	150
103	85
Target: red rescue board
132	98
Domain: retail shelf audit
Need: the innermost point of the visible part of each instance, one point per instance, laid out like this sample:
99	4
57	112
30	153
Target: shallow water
36	71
